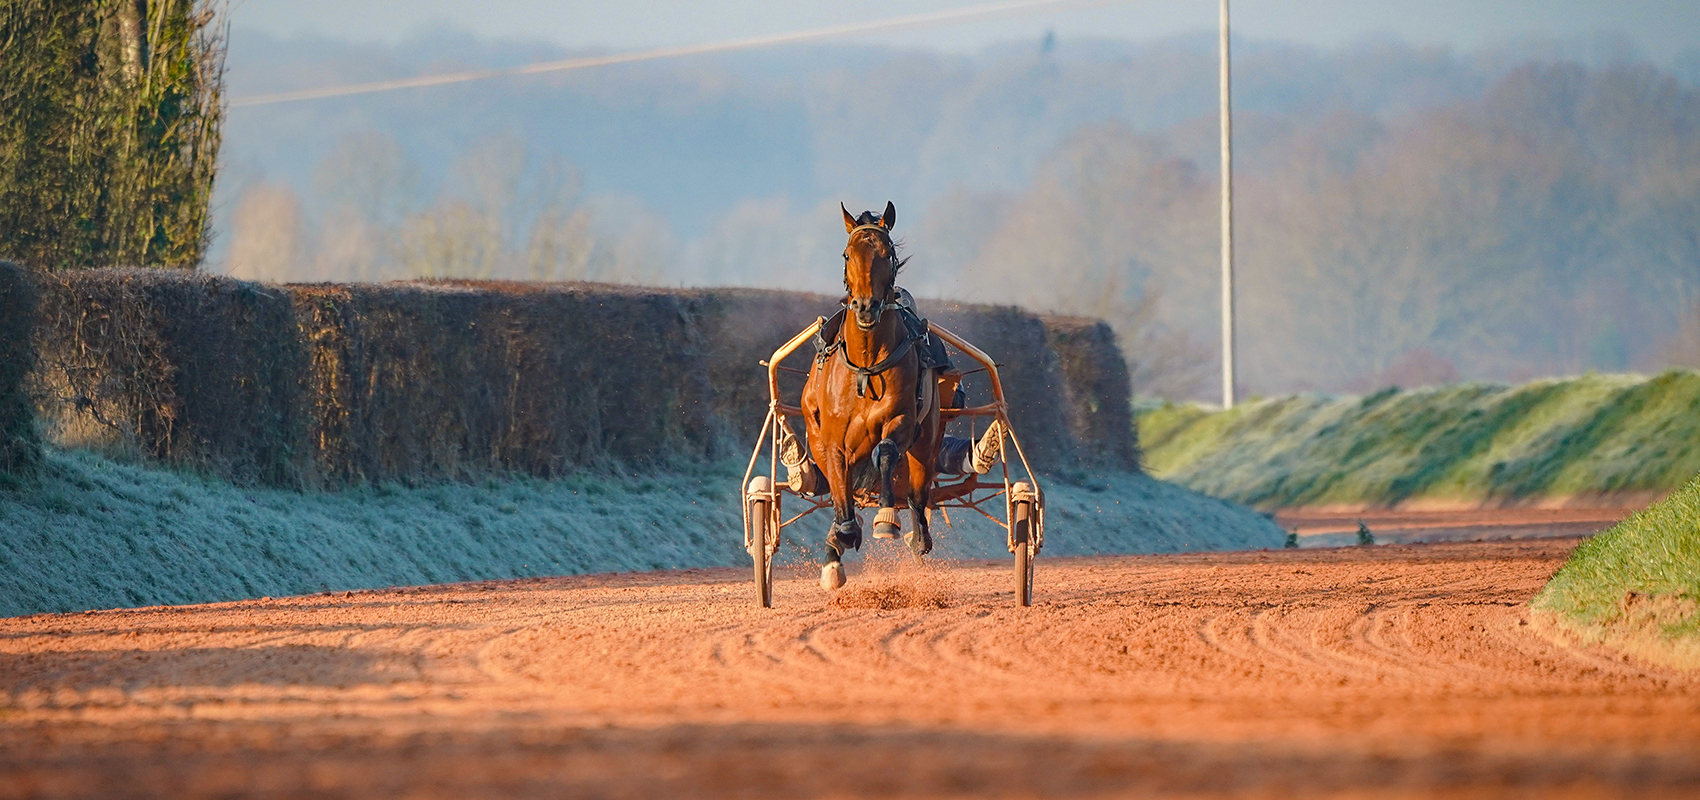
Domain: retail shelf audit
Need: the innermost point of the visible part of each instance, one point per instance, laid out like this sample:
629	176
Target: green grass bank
1608	439
1636	587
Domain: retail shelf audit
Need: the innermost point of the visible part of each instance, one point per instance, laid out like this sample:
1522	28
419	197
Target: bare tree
266	234
1112	224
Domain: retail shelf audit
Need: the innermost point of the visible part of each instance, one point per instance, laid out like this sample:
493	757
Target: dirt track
1387	671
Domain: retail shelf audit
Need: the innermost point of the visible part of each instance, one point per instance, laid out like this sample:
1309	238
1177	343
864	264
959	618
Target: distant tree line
505	212
1406	215
109	131
1549	226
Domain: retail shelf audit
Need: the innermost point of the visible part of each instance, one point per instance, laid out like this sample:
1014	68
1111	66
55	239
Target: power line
932	18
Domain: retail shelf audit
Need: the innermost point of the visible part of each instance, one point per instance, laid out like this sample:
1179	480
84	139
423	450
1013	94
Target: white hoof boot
887	525
832	576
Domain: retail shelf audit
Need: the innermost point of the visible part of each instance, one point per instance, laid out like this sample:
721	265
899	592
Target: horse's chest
857	423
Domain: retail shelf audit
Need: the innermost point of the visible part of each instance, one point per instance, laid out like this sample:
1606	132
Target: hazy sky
1661	27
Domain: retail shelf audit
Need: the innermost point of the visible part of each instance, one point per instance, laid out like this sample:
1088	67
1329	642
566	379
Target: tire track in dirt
1389	671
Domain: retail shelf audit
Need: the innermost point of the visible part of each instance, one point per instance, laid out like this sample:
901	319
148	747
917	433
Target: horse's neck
868	347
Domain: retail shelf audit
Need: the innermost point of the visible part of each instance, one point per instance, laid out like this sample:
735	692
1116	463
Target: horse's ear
890	219
849	221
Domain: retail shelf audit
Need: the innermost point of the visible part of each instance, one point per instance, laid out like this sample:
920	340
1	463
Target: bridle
865	374
880	305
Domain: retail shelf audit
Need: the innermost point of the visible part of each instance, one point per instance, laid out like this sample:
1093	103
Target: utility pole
1227	223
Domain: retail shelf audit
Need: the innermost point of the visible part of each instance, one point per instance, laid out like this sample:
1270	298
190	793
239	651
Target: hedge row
1097	387
19	448
328	385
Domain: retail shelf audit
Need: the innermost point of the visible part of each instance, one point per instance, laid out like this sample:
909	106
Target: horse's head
870	265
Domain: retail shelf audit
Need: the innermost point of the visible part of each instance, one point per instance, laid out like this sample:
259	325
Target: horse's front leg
886	455
846	531
885	463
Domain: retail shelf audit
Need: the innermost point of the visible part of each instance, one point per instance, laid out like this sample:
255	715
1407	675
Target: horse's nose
863	308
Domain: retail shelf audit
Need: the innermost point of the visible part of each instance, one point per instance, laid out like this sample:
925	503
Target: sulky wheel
1021	541
757	507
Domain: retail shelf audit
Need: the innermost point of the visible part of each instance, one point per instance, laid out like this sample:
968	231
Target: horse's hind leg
920	540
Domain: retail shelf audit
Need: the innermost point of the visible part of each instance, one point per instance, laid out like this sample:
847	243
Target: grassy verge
89	532
1636	587
1599	435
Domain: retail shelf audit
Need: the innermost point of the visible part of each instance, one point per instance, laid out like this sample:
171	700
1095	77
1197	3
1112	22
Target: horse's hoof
919	543
832	576
886	524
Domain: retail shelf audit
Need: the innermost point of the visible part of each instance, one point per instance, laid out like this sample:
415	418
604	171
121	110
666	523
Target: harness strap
864	374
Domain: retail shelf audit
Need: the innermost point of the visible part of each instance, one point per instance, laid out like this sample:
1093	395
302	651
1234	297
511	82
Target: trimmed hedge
330	385
19	447
1097	389
173	365
450	380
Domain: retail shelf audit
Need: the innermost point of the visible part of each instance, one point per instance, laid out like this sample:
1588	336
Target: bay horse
871	414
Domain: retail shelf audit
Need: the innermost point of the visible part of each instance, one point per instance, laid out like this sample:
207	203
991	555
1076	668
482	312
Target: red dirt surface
1396	671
